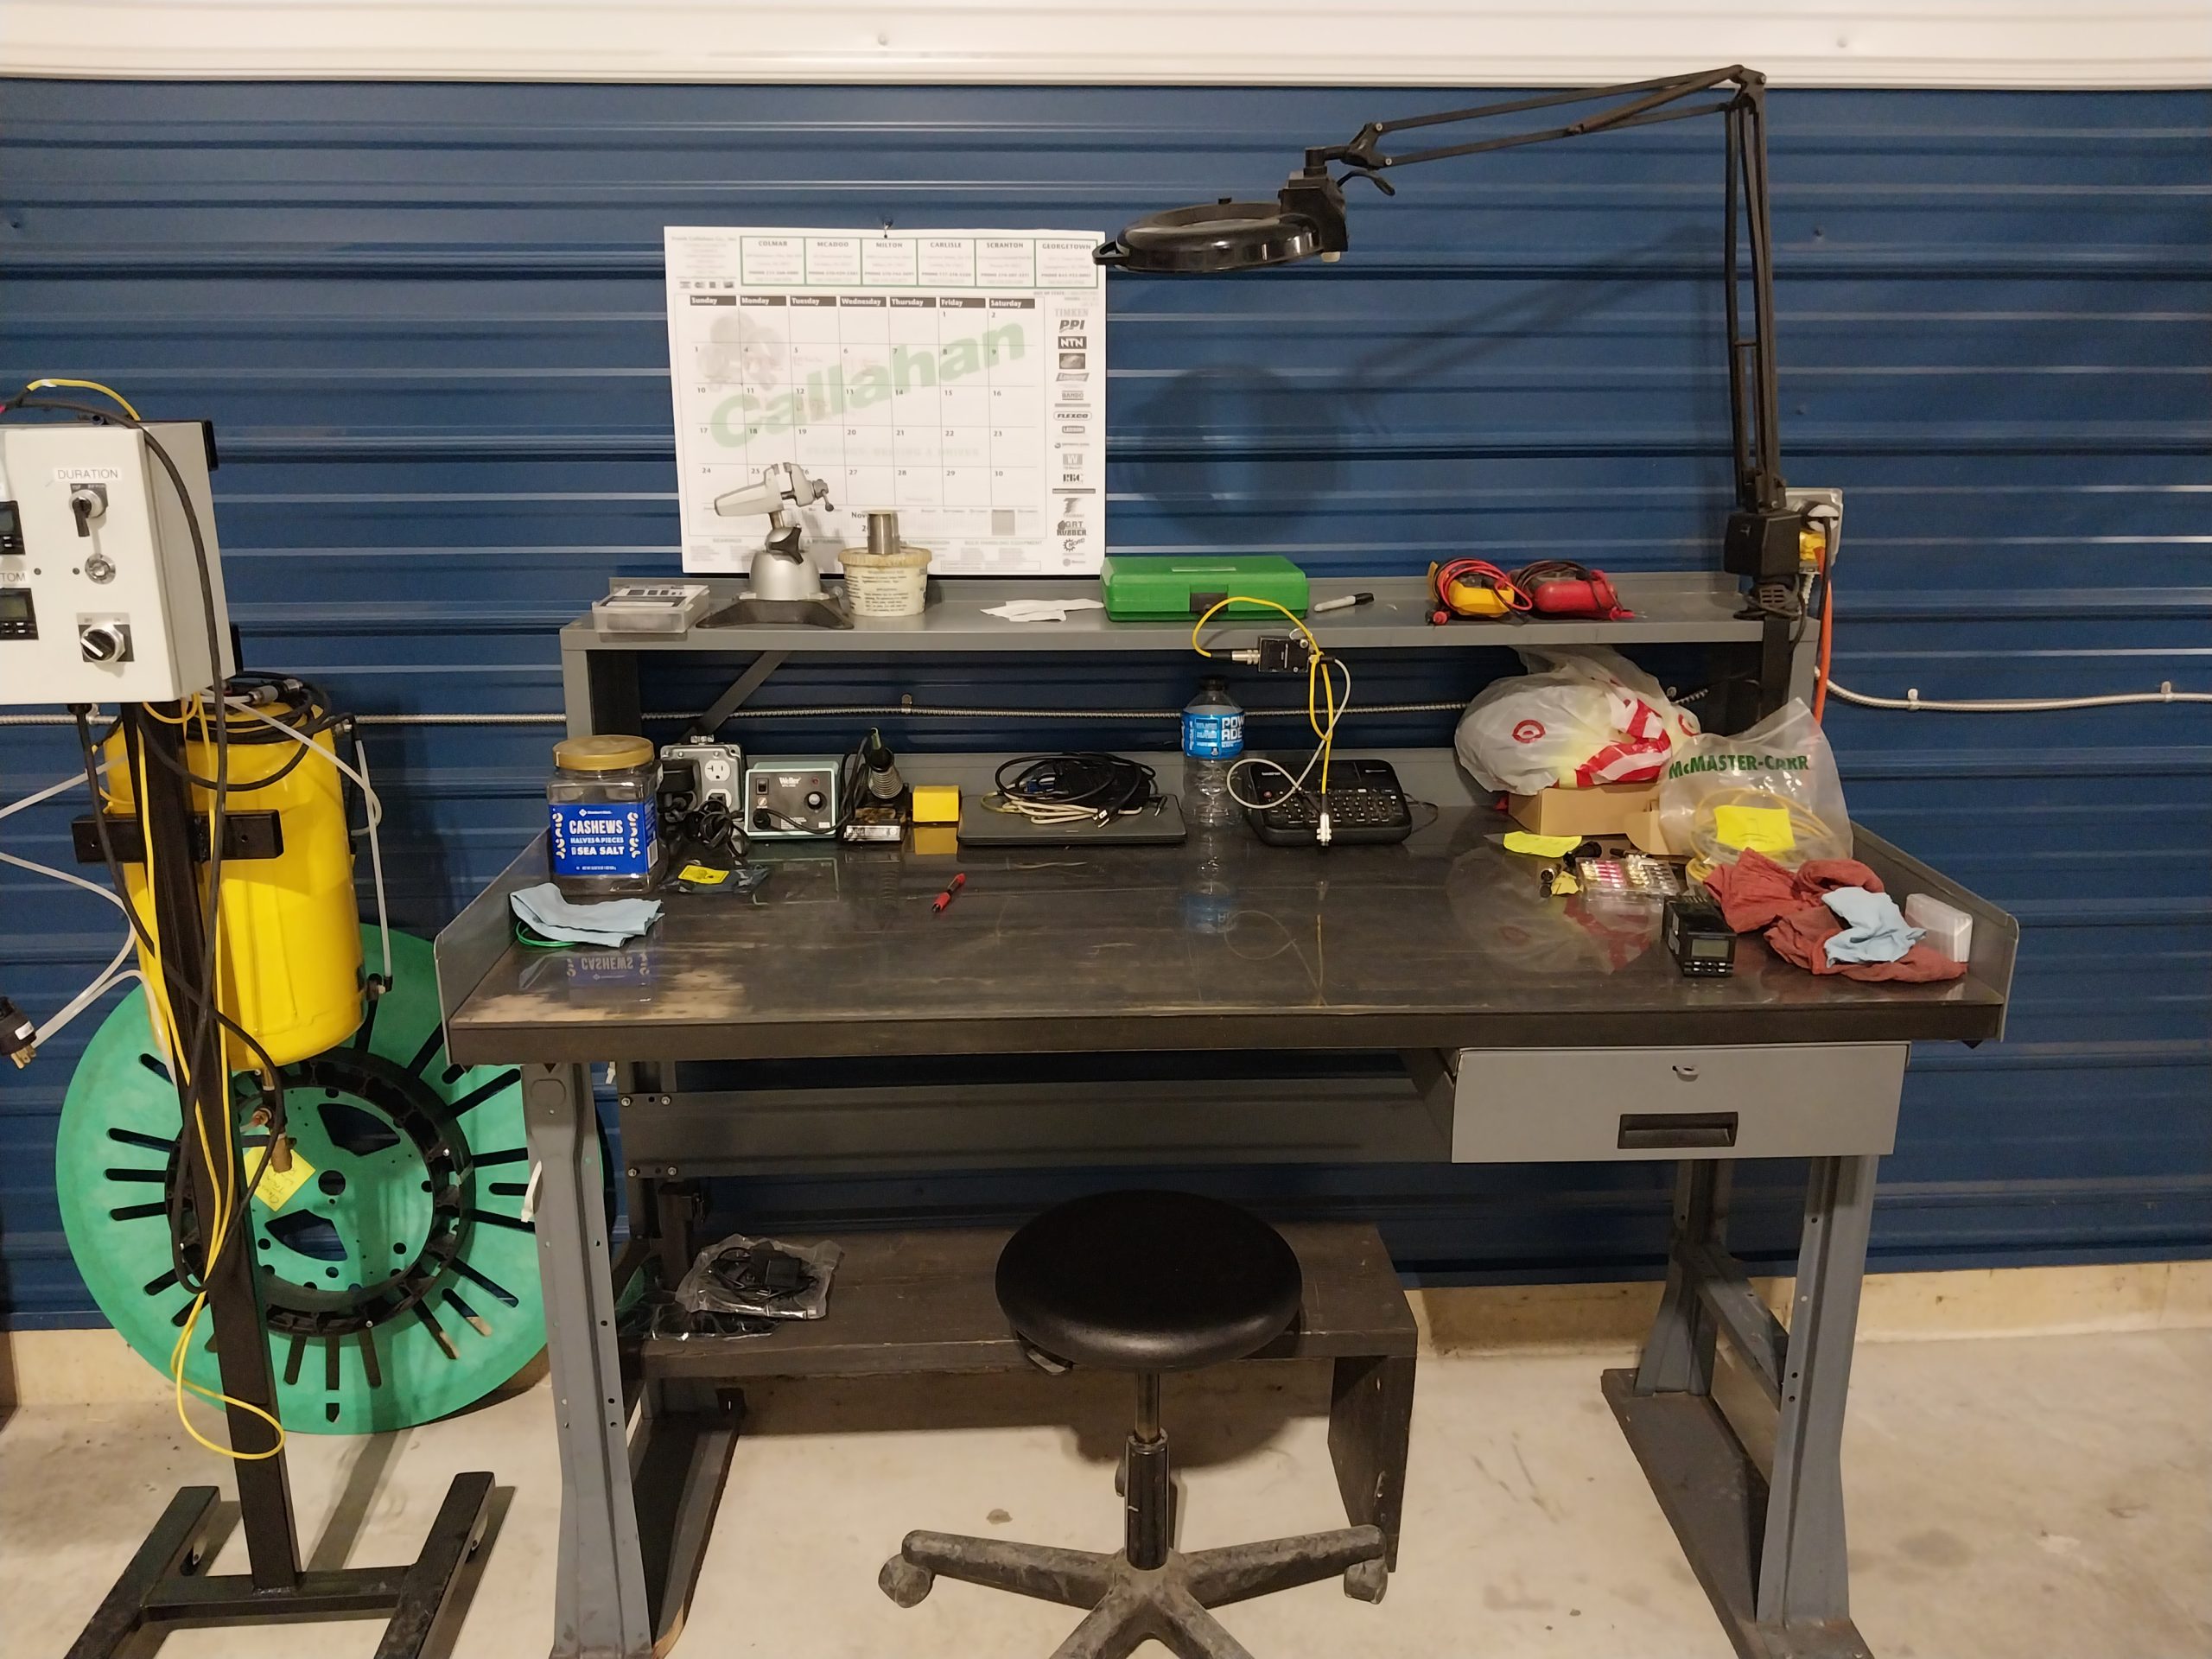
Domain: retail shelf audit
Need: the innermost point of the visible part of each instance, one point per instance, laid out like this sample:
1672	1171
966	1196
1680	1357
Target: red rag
1755	893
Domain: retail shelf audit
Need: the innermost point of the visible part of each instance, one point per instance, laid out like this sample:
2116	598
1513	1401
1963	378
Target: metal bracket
1752	1331
245	835
755	675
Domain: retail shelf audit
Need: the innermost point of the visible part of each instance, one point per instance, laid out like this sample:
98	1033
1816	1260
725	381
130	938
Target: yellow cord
89	385
216	1229
1321	689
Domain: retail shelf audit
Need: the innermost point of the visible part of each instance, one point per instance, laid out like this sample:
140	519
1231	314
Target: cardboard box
1604	811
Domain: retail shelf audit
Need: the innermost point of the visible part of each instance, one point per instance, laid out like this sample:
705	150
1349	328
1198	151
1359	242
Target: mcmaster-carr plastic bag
1586	716
1774	788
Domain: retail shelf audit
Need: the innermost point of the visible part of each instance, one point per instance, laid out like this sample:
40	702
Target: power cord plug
18	1036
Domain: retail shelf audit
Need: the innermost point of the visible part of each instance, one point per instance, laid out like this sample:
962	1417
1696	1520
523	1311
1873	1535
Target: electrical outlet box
794	796
717	768
100	596
1824	506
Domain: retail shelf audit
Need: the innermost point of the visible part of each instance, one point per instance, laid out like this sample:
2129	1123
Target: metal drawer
1797	1100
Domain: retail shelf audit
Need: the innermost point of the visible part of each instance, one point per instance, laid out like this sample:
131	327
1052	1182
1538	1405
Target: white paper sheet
958	376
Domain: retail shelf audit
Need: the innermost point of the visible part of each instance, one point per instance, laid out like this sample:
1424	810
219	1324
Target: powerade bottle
1213	737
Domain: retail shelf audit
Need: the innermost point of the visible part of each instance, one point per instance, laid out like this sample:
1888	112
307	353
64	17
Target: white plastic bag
1774	787
1588	717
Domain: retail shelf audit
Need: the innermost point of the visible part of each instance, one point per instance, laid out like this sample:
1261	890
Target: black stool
1145	1282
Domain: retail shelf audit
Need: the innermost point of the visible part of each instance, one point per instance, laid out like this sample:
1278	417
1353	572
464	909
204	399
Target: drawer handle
1676	1131
1686	1073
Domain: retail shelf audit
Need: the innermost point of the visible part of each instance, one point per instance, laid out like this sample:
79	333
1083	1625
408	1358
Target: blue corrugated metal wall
428	322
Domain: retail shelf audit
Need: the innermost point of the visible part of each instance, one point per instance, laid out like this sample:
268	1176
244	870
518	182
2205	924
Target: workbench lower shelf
922	1301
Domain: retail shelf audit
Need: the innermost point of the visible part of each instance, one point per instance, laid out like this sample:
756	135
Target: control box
100	593
795	795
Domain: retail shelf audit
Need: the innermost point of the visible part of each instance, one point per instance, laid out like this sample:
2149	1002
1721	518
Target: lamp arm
1360	152
1752	377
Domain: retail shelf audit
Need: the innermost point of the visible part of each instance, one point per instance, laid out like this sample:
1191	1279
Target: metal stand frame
1768	1545
162	1586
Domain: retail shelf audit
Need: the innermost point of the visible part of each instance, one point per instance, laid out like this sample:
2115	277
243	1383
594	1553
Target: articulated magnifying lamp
1307	220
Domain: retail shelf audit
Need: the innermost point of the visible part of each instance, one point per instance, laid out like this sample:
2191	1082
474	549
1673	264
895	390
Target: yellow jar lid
601	753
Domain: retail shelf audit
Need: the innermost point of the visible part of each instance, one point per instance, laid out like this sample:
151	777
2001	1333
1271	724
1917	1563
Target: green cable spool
400	1281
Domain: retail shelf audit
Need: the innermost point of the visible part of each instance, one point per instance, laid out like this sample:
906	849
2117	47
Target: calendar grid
957	376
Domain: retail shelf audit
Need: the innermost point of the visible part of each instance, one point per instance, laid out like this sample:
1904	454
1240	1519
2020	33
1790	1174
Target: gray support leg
1802	1578
1678	1352
1370	1426
599	1605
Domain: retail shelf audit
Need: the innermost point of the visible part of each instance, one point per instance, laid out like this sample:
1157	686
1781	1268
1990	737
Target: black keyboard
1366	806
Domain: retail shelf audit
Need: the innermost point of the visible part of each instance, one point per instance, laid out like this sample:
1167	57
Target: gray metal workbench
1523	1030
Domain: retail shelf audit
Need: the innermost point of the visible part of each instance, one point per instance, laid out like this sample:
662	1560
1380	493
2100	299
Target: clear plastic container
1949	930
1213	737
604	832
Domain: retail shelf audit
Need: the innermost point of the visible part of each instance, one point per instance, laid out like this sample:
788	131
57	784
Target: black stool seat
1148	1281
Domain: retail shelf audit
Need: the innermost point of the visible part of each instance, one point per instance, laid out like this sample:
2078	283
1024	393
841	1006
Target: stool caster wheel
904	1582
1363	1580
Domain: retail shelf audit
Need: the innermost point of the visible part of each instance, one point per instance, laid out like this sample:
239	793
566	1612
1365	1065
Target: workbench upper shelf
1671	608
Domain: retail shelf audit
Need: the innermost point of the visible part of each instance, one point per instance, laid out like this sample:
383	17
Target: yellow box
937	803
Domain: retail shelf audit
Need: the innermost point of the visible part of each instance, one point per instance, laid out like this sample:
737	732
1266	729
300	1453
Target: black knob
103	642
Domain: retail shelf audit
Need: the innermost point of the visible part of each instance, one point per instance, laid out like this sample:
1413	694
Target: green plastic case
1149	588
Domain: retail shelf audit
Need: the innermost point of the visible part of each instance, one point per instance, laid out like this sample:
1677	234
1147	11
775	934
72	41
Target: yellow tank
290	958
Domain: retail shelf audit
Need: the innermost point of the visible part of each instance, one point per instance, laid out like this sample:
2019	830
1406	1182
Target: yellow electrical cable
89	385
1316	676
217	1230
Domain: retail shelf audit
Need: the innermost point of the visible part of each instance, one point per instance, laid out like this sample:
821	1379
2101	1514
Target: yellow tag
1524	841
1754	829
277	1186
1563	885
702	875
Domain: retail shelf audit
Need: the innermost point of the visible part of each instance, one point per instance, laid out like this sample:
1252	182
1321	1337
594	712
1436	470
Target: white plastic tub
886	584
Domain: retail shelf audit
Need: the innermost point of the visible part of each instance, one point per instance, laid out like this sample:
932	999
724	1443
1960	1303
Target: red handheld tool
945	898
1562	588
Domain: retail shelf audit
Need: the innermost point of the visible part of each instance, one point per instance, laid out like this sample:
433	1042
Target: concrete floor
2016	1496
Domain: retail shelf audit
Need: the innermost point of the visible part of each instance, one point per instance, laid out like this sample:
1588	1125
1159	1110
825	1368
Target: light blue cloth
1874	928
611	921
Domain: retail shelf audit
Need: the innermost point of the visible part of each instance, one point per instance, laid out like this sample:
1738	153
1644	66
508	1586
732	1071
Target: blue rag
610	922
1874	928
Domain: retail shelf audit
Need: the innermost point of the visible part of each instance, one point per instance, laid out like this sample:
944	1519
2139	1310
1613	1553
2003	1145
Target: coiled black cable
1074	784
